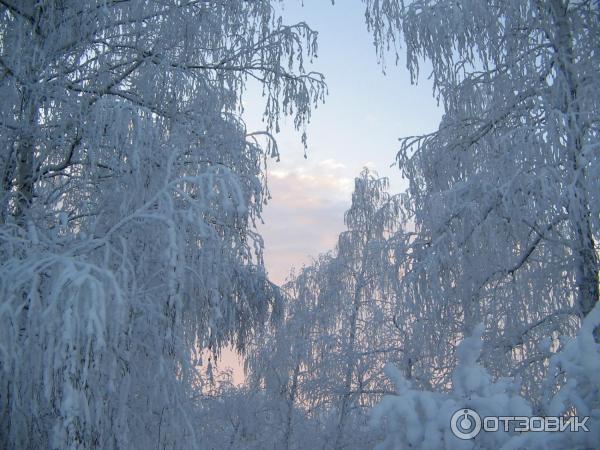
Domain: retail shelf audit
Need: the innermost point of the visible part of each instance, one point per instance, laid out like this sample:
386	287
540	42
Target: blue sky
359	125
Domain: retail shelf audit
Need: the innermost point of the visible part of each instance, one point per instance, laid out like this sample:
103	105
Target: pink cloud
305	215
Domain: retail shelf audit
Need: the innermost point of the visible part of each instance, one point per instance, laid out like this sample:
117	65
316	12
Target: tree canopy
131	190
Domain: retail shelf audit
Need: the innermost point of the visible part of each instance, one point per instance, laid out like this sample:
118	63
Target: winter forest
132	190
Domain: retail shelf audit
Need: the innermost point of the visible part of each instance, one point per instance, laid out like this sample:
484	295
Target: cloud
331	164
306	213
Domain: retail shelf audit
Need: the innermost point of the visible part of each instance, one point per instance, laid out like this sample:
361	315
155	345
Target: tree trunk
24	159
350	367
291	401
586	258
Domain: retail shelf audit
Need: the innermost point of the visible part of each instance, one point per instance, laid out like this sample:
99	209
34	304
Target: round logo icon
465	424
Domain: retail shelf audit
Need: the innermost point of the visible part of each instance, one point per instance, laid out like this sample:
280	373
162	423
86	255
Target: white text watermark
467	423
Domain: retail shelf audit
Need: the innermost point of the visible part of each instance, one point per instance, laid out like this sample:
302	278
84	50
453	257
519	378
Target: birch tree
327	357
503	196
130	191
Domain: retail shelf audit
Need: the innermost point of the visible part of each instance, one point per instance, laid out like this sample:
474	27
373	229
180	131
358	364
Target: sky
358	126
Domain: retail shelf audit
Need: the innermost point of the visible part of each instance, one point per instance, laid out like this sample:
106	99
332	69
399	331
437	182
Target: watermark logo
467	423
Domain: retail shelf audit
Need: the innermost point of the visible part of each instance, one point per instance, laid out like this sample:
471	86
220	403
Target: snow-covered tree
327	356
504	195
130	190
421	419
414	418
279	362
